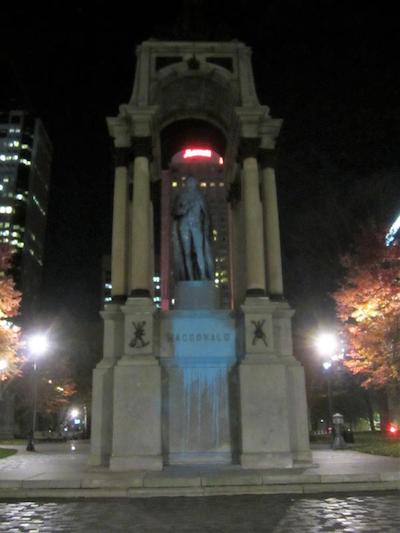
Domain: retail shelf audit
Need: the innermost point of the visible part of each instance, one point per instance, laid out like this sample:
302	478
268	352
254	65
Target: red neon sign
196	152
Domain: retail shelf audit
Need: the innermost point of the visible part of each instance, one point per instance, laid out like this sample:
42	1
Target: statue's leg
186	245
197	236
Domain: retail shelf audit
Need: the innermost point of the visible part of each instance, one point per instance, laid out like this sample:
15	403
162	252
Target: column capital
122	156
267	157
142	147
120	130
248	147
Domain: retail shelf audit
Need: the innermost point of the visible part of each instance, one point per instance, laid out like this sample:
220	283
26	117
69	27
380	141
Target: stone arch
207	93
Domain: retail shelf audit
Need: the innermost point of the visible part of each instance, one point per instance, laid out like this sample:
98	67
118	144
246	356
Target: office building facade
25	164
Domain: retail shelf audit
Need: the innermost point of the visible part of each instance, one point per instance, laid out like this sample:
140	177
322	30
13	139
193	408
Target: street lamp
37	346
327	347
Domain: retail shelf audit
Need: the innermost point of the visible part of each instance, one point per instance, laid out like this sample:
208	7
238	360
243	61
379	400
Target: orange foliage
9	305
368	306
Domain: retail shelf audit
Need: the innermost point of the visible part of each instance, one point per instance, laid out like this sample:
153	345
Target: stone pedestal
102	411
197	295
137	414
198	353
272	392
103	386
136	440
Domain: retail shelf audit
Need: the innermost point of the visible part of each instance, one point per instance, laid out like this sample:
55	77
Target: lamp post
37	345
327	347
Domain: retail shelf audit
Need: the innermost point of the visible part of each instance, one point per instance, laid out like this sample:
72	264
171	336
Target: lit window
19	197
157	286
15	157
174	184
2	157
212	184
221	184
25	162
203	184
1	187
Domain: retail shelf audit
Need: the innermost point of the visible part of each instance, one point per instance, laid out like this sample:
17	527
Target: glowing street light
74	413
326	344
38	345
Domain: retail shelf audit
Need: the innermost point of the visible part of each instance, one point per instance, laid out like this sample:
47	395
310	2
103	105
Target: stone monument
203	380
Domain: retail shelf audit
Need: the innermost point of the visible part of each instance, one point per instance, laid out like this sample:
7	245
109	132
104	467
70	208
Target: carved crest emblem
258	333
138	335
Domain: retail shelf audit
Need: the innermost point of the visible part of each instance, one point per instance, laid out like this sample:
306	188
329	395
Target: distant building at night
25	162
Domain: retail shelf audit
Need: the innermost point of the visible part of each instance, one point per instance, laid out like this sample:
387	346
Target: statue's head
191	183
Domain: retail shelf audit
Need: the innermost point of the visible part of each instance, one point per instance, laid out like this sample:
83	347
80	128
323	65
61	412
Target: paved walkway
60	469
370	513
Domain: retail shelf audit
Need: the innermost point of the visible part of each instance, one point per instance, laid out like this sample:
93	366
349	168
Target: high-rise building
25	161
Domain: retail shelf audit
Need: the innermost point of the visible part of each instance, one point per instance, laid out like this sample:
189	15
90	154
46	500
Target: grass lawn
377	444
6	452
13	442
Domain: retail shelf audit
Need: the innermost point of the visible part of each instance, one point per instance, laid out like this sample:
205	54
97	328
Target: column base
277	297
119	299
140	293
255	293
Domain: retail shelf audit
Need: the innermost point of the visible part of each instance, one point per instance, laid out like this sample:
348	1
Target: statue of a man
191	234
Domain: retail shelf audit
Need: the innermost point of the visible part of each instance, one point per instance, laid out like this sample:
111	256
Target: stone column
139	278
271	225
119	255
254	244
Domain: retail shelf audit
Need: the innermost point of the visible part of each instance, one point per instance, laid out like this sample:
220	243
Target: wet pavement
371	512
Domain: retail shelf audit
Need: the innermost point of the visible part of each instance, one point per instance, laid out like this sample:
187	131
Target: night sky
331	72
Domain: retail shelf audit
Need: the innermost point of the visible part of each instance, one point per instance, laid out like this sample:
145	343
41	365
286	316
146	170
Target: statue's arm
206	216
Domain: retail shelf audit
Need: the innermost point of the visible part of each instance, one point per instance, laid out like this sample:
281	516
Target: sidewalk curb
150	485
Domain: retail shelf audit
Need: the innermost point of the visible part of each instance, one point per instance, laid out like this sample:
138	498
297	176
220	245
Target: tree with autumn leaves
9	306
55	383
368	307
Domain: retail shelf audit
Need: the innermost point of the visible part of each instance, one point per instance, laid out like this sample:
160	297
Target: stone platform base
188	481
